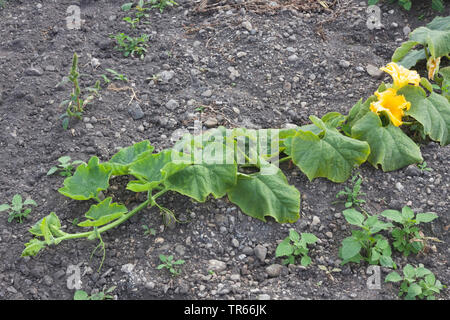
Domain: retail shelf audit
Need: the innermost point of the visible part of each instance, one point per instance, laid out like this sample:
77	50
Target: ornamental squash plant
243	164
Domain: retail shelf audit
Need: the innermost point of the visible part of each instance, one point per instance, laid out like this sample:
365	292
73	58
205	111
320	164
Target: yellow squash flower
391	103
401	75
433	66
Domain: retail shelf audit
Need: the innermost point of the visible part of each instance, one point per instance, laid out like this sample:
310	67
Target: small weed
168	263
117	76
131	46
296	245
416	283
76	104
366	244
423	167
65	166
148	230
162	4
16	209
102	295
328	271
353	194
408	238
131	21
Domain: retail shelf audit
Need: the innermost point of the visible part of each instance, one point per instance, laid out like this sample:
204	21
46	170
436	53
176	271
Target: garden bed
236	67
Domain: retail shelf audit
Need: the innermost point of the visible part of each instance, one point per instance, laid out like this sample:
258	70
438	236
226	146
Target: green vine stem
149	202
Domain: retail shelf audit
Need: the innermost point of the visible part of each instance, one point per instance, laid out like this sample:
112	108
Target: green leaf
354	217
29	202
103	213
127	6
407	213
358	111
294	236
411	59
52	170
305	261
80	295
87	181
17	202
51	224
393	277
33	247
430	279
433	112
436	36
148	168
309	238
426	217
4	207
403	50
122	160
413	291
372	2
393	215
140	186
200	180
389	146
284	248
350	248
386	261
259	195
332	156
409	272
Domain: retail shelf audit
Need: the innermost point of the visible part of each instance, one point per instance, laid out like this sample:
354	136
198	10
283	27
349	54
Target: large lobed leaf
328	154
200	180
389	145
124	158
103	213
260	195
433	112
87	181
435	36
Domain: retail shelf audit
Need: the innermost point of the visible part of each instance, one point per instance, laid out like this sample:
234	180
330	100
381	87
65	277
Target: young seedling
423	167
295	245
148	231
162	4
16	209
131	21
416	283
328	271
366	244
102	295
141	10
408	238
353	194
65	166
117	76
131	46
168	263
106	79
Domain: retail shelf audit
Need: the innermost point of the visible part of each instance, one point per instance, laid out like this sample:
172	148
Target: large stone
373	71
274	270
135	111
216	265
261	252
